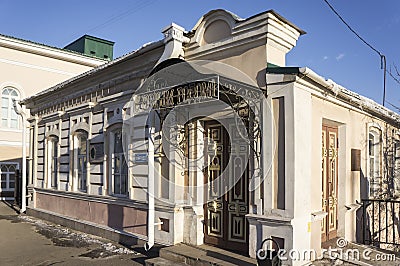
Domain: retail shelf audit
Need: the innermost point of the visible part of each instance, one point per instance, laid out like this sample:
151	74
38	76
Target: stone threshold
204	255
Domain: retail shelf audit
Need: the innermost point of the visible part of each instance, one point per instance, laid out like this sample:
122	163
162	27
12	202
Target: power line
382	56
394	106
393	77
120	16
142	4
351	29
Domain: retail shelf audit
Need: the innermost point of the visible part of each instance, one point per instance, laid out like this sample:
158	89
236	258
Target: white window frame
53	142
374	170
10	108
77	183
111	157
7	188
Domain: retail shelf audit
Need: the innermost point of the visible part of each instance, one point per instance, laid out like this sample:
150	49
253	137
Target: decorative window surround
52	162
374	158
9	118
118	168
7	175
80	161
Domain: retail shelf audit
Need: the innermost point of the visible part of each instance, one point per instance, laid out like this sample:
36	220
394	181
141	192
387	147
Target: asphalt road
28	241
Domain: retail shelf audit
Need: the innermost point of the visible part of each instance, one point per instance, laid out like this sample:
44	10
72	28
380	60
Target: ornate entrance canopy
182	93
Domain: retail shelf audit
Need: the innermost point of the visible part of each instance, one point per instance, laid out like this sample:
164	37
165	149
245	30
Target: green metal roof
92	46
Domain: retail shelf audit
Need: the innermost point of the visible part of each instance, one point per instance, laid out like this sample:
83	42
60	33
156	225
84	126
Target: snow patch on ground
57	232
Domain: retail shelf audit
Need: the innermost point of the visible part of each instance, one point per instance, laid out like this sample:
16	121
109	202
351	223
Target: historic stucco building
148	144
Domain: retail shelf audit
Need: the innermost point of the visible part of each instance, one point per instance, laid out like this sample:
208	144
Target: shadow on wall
116	221
363	232
115	216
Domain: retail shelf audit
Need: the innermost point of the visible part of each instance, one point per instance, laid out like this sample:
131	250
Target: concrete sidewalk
28	241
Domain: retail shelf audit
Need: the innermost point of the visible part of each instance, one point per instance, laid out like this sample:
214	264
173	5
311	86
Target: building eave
350	97
146	47
49	51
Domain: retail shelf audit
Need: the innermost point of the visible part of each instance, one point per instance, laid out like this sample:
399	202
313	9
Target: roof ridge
90	72
52	47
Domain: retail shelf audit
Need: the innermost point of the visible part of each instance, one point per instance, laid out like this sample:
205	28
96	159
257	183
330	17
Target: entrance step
204	255
162	262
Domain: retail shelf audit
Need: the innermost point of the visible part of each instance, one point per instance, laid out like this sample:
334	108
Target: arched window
118	165
374	162
7	180
9	117
52	162
396	167
80	160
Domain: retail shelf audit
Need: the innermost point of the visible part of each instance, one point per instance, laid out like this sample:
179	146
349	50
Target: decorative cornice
174	37
267	27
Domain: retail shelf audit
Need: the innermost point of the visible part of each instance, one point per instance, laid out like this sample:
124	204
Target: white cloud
340	56
325	57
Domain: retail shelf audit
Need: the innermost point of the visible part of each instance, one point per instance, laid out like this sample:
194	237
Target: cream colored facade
27	68
313	102
280	192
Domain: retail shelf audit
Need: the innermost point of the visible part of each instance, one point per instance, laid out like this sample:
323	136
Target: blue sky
328	48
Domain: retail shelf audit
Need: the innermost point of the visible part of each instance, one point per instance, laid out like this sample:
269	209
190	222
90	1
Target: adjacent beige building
27	68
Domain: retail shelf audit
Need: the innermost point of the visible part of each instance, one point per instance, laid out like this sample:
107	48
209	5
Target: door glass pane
13	113
3	180
371	167
371	145
82	145
124	176
116	164
55	151
14	123
4	103
54	162
118	142
117	184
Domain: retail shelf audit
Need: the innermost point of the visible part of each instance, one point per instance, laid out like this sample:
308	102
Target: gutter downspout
150	192
19	110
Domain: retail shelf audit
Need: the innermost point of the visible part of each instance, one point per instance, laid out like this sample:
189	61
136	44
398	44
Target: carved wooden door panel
329	182
225	223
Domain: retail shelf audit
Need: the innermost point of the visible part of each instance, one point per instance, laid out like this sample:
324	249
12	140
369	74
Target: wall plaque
141	158
355	160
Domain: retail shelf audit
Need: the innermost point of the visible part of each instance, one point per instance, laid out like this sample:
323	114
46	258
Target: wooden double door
329	182
225	222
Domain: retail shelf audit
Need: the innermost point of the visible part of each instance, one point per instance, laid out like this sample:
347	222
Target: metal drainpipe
18	109
150	192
